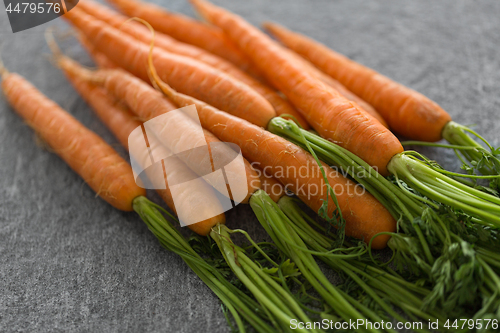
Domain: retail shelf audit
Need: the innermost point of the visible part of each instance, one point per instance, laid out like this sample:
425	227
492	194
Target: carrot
179	135
408	112
334	84
296	169
141	33
187	30
109	175
186	74
116	116
122	123
330	114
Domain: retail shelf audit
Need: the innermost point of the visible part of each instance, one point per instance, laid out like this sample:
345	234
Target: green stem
419	176
438	145
494	277
235	300
377	275
271	217
289	206
343	266
425	245
457	134
287	297
269	293
255	245
362	308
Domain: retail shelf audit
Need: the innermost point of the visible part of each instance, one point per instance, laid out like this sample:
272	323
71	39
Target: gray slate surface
70	262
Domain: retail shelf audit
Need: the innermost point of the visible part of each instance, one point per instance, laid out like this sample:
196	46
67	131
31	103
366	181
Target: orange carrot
330	114
180	135
408	112
328	80
187	30
296	169
122	122
185	74
109	175
141	33
349	95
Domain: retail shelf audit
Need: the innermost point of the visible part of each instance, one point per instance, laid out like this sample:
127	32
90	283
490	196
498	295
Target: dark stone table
69	262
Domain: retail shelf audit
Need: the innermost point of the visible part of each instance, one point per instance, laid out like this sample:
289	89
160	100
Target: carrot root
68	64
3	70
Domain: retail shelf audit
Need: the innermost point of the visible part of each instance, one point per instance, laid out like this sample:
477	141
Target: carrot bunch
138	97
242	85
109	79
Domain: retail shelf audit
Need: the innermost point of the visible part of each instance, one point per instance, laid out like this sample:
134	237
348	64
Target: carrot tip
199	10
67	34
266	25
51	42
60	60
3	70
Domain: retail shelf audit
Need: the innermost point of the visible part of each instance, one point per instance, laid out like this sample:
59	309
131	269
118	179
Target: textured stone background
69	262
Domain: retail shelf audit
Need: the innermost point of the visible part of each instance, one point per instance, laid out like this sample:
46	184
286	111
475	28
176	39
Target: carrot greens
445	247
410	167
240	305
276	301
288	240
476	158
